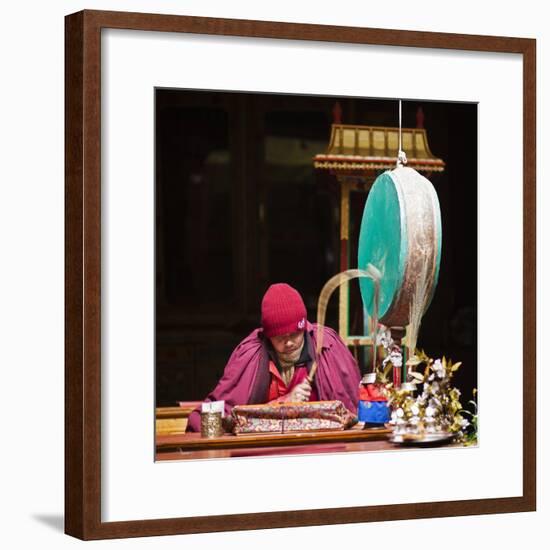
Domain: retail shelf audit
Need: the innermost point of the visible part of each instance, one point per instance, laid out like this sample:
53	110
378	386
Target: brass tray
438	438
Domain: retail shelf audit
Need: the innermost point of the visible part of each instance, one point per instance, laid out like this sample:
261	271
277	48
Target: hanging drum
401	236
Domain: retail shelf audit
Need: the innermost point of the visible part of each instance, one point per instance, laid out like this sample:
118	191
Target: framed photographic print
207	162
224	234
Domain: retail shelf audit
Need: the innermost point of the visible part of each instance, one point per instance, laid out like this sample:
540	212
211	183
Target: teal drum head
401	236
380	243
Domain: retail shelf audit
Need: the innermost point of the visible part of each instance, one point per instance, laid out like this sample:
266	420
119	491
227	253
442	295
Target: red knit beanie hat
283	310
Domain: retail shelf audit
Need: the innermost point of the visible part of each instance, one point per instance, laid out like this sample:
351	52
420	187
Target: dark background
239	206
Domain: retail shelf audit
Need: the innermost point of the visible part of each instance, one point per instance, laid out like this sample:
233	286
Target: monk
273	362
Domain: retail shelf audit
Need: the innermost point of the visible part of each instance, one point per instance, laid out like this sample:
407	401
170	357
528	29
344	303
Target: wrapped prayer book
291	417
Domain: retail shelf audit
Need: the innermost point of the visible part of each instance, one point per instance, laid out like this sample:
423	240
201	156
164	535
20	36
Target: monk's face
288	346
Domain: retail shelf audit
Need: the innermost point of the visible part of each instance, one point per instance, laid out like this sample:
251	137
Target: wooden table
186	446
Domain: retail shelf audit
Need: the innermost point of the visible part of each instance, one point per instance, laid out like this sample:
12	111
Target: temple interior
240	205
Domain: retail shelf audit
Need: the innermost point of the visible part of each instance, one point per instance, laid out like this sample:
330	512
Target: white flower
415	410
434	402
384	339
439	369
400	429
464	423
400	412
430	411
414	420
396	358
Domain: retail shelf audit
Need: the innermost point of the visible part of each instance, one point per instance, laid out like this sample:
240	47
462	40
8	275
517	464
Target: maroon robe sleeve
237	382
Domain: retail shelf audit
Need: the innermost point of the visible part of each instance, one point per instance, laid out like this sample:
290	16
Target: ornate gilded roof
359	148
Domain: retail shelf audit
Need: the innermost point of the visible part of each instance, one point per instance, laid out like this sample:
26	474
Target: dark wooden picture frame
83	274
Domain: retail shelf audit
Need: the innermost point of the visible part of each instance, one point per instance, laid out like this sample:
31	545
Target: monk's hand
301	392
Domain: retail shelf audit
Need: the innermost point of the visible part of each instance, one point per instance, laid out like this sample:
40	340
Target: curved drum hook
331	285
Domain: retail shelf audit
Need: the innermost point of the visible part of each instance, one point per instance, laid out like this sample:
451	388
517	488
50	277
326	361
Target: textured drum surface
400	234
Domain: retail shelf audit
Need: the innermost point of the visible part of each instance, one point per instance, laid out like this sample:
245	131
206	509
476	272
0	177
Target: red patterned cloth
291	417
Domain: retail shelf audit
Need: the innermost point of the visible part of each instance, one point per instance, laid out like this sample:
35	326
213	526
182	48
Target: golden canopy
359	148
